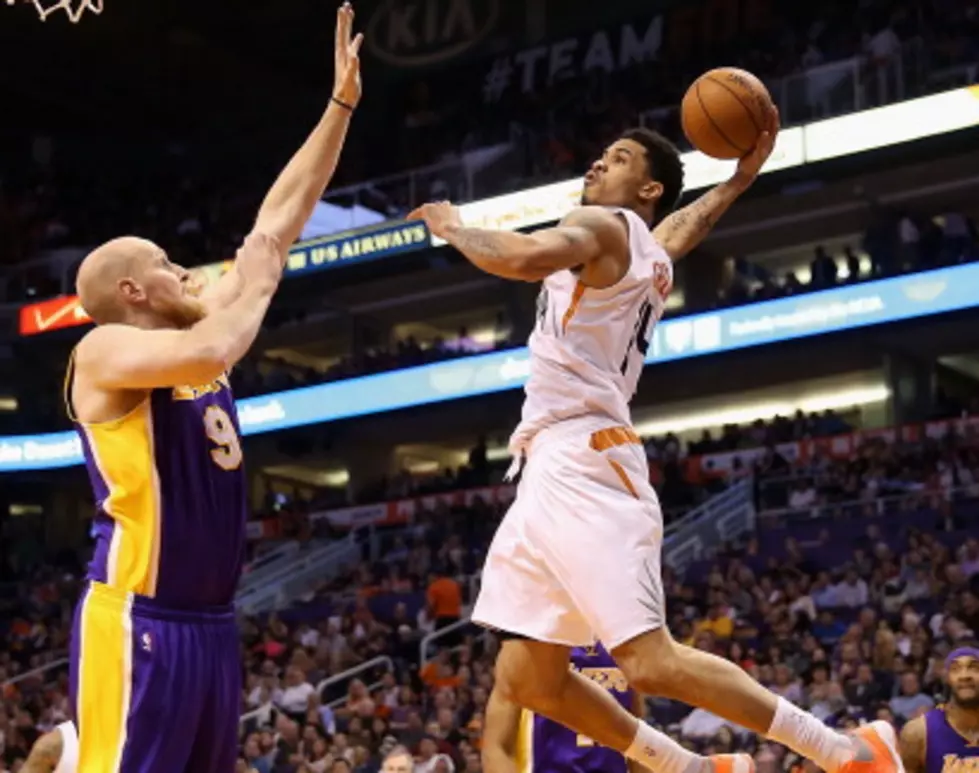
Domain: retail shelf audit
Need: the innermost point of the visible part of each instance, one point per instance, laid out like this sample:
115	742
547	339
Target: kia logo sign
415	33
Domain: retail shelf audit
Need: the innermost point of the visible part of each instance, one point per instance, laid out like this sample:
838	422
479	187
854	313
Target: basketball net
74	9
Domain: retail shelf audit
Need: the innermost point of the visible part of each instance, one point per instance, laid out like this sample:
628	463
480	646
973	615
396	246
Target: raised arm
291	199
585	235
500	731
686	228
122	357
913	743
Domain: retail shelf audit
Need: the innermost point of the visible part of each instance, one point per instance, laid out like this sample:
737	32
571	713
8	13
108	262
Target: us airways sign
417	33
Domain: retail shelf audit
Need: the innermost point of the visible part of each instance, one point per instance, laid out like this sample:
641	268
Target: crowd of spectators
878	470
896	242
784	480
899	45
56	191
849	619
266	374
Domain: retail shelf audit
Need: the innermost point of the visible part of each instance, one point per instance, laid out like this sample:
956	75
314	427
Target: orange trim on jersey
624	477
613	437
579	291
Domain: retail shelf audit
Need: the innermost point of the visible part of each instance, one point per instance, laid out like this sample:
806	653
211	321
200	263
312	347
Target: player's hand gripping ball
725	112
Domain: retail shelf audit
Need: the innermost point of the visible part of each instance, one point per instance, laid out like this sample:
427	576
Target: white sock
806	735
661	754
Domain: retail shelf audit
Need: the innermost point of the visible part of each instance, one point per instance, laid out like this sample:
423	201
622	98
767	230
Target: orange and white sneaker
732	763
875	747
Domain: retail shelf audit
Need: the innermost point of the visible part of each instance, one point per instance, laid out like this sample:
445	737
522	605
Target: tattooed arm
912	745
682	231
585	235
45	755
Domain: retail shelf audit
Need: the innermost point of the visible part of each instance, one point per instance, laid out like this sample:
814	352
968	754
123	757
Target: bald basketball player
155	669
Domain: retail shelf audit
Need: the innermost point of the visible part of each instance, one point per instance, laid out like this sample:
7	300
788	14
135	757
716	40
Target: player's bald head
102	270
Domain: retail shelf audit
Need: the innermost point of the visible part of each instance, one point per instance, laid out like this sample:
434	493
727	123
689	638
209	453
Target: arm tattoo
45	755
698	217
477	240
682	231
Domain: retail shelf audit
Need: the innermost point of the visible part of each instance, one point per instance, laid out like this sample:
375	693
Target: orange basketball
724	112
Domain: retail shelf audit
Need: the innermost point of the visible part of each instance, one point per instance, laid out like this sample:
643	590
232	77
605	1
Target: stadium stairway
276	586
722	519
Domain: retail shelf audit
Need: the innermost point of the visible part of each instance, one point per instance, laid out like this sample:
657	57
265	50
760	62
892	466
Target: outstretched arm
584	235
291	199
682	231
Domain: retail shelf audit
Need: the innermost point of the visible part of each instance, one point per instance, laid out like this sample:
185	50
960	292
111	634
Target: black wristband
344	105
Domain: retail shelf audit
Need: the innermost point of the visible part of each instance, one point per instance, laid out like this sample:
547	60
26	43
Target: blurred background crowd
839	560
382	656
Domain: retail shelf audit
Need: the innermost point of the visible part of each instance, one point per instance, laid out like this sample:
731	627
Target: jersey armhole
614	287
68	762
66	389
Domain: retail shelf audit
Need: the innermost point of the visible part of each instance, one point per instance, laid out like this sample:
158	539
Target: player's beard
970	703
186	313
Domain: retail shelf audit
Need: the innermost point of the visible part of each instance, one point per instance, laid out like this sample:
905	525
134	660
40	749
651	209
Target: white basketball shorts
577	556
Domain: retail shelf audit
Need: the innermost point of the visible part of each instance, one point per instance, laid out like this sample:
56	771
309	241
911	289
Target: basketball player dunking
517	741
946	739
155	667
578	554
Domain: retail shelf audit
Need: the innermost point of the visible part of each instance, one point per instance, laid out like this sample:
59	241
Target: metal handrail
380	660
255	713
429	638
709	508
350	672
59	663
375	182
268	563
879	503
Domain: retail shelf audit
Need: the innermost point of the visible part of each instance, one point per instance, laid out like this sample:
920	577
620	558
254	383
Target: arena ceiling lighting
846	135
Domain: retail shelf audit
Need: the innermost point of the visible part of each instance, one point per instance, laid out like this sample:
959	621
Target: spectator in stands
444	599
910	702
294	699
398	760
852	591
428	755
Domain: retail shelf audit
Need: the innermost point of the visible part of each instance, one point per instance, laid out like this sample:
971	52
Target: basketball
725	111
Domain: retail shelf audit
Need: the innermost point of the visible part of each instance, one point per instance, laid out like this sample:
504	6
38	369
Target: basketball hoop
74	9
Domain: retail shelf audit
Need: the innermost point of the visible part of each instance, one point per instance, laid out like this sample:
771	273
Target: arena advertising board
847	135
842	308
832	138
340	249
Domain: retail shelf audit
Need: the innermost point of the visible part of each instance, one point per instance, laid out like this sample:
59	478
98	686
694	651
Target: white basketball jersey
69	748
589	345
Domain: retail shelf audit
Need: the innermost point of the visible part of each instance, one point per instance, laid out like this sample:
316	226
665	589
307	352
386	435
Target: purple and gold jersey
170	495
544	746
946	751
